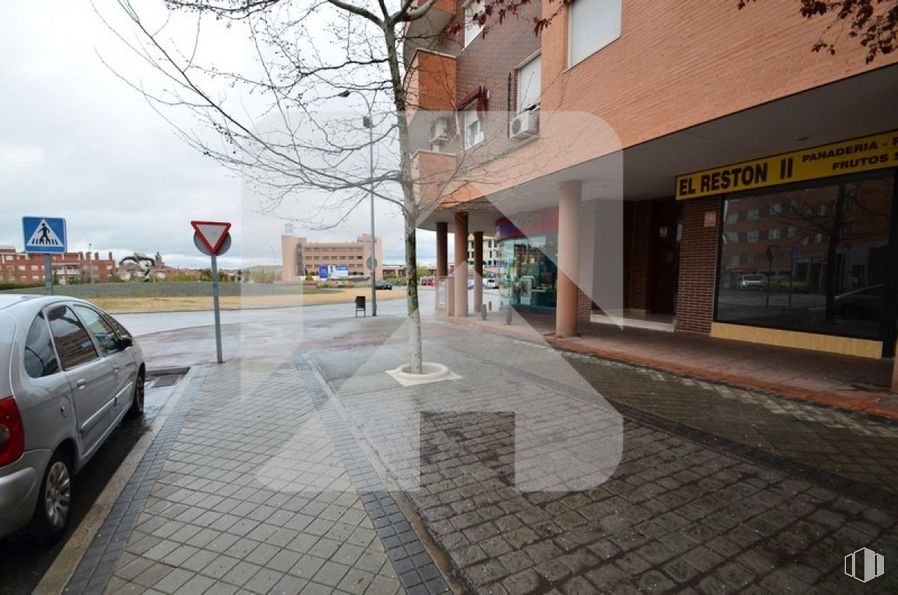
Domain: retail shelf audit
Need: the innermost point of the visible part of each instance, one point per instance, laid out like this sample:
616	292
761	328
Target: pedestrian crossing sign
44	235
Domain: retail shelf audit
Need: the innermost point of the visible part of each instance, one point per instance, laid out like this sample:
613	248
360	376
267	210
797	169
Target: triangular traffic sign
44	237
212	233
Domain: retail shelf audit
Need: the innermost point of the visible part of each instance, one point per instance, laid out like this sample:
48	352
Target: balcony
430	83
430	172
424	31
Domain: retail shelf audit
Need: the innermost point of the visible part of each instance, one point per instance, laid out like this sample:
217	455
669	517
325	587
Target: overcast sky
77	142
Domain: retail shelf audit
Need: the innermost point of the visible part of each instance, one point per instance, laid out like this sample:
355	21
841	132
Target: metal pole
215	308
90	262
48	273
371	191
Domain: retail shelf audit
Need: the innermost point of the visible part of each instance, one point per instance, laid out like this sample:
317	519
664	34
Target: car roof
11	299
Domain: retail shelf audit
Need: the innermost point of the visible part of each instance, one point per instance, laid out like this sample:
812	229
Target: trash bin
360	305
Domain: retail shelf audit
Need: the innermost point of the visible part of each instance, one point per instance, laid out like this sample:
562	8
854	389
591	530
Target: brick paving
678	514
279	477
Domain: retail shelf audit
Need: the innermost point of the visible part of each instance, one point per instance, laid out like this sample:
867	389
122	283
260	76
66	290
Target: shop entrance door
664	257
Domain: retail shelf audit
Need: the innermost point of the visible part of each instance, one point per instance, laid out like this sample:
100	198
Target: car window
99	328
40	358
121	331
73	344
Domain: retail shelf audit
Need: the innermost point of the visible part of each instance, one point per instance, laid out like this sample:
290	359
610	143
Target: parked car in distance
860	304
426	281
470	283
69	374
383	285
490	283
751	281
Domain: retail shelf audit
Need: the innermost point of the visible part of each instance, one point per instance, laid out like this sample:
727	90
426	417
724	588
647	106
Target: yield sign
212	233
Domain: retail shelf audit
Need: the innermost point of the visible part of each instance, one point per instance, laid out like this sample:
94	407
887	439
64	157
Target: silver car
69	373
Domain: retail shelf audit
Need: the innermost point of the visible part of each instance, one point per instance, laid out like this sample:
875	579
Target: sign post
212	238
47	236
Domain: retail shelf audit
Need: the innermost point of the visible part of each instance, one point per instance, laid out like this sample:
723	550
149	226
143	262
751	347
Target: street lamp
369	124
90	263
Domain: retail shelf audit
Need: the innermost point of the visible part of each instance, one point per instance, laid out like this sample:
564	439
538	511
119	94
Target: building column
478	271
568	258
460	275
442	248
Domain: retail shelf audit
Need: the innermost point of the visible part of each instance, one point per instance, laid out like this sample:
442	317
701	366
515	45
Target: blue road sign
322	271
44	235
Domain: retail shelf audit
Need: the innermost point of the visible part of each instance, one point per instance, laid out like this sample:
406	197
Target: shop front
805	242
528	256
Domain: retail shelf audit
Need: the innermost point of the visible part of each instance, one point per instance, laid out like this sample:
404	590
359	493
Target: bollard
508	315
491	305
483	311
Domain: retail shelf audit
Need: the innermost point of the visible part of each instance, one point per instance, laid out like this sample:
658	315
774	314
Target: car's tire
51	514
136	409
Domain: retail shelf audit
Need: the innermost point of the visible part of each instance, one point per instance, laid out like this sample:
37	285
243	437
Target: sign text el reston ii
879	151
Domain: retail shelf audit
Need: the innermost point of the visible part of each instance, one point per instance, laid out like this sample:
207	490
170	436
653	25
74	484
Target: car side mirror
125	342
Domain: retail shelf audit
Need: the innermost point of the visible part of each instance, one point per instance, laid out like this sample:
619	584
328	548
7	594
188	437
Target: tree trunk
410	207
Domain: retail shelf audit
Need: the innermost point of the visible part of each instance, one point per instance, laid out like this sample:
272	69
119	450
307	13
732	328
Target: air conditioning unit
439	131
525	125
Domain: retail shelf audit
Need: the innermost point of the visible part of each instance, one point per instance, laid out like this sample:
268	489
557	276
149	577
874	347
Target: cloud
79	143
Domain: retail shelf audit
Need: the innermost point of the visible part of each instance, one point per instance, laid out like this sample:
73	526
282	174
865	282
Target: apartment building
674	152
70	267
302	257
489	254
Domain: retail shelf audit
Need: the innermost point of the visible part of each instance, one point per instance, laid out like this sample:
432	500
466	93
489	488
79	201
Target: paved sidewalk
851	383
679	514
255	491
534	471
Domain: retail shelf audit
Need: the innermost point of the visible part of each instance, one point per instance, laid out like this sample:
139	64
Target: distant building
490	252
71	267
302	257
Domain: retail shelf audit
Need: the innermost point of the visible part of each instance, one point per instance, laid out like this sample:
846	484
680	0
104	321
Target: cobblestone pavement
684	510
255	491
291	475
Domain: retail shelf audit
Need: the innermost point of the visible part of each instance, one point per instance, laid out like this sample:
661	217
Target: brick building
71	267
655	176
302	257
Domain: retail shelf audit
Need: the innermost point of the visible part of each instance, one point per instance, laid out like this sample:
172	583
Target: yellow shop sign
878	151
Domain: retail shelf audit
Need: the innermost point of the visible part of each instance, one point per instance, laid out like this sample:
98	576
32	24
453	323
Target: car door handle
81	383
115	370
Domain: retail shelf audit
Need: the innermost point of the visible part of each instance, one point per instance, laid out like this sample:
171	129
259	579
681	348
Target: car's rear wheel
51	515
136	409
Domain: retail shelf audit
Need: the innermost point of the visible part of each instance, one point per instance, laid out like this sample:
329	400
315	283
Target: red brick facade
698	265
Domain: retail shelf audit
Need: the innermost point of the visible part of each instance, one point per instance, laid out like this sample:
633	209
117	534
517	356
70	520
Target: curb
60	572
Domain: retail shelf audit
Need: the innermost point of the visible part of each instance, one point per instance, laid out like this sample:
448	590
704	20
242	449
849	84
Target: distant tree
874	23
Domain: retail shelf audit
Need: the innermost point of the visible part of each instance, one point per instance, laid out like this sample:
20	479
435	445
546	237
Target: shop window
529	81
472	25
473	125
826	274
592	24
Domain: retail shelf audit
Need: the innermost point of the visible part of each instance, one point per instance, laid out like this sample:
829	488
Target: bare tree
306	54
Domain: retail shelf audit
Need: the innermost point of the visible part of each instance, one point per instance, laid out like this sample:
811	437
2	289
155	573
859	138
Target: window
826	273
74	345
473	125
752	237
753	214
529	78
592	24
40	358
472	27
99	328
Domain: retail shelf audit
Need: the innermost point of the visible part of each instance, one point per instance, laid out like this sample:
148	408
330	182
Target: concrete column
442	248
460	275
568	258
478	271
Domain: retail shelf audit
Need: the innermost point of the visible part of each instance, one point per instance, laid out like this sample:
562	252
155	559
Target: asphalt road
22	565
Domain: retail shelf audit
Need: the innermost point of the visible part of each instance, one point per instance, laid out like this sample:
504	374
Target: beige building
302	257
